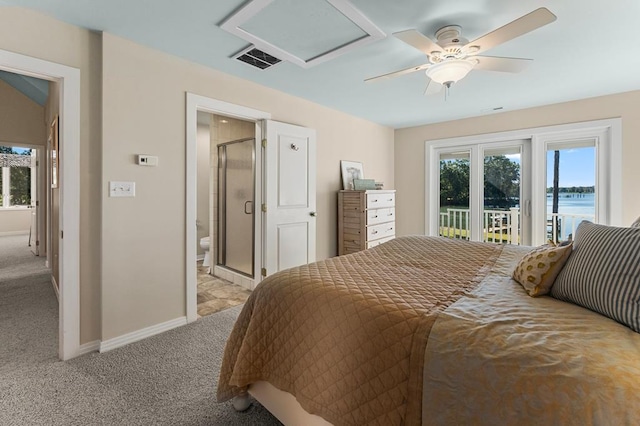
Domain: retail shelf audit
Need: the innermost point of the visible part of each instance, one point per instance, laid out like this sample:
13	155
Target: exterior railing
503	226
562	226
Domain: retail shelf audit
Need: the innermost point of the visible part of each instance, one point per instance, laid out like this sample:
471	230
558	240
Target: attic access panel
305	32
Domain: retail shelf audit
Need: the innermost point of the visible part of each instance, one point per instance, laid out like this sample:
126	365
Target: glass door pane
502	194
571	190
236	205
454	220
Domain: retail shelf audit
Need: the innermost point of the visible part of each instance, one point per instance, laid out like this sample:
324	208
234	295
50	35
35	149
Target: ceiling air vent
256	58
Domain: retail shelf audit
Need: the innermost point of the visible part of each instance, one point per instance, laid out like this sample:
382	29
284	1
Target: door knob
312	214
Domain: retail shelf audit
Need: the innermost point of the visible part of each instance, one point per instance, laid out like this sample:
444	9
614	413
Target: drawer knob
374	232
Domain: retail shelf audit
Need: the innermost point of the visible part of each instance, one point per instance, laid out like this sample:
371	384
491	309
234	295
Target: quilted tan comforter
347	335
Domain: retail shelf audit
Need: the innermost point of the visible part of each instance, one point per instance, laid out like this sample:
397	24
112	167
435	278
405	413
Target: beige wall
15	221
410	150
143	238
32	34
21	119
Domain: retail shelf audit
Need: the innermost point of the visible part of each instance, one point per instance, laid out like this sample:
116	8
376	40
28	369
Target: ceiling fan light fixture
449	72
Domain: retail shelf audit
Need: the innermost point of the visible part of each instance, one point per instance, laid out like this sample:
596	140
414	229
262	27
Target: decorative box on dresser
365	219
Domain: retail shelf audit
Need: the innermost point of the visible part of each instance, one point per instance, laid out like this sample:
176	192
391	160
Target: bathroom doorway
284	199
236	201
225	214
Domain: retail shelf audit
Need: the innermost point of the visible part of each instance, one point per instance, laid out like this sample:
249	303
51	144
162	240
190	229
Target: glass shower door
236	193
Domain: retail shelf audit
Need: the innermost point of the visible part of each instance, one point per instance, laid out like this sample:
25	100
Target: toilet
205	244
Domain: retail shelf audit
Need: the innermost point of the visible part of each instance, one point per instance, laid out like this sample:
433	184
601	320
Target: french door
485	192
527	186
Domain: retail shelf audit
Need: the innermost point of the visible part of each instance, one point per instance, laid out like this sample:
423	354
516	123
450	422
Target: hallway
28	307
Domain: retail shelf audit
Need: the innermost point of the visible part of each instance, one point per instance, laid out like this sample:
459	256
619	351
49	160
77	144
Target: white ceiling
590	50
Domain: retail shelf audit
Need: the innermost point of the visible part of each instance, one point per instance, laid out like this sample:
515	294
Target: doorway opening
284	179
67	105
217	111
225	211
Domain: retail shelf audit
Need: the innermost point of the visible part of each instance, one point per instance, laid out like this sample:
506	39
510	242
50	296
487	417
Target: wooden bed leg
241	402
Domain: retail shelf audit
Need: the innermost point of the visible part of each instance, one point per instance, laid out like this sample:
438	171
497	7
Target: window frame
607	135
5	190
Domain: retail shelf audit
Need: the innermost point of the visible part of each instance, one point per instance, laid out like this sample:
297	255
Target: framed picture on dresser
350	170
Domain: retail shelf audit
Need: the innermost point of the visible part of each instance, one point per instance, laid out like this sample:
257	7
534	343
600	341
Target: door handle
312	214
250	209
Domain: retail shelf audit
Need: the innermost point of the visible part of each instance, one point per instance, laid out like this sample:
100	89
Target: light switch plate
122	189
147	160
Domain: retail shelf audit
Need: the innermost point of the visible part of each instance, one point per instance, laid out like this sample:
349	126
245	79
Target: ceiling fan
452	57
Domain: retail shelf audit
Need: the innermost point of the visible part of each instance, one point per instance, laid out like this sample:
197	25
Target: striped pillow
603	273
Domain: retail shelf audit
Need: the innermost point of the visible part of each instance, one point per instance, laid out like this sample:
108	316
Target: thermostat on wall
147	160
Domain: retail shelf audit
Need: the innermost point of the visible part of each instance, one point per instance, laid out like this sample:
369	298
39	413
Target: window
15	177
571	191
507	187
454	195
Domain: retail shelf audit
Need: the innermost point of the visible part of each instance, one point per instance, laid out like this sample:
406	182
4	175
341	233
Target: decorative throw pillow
603	273
636	224
538	269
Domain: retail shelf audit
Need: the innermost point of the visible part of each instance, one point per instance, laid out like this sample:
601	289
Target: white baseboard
55	287
10	233
125	339
89	347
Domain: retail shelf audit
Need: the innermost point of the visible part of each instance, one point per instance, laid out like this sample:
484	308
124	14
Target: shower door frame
222	234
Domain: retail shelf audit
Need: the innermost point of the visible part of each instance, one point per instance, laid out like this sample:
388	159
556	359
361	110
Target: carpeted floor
168	379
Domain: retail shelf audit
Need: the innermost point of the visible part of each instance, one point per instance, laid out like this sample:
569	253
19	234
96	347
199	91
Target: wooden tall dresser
365	219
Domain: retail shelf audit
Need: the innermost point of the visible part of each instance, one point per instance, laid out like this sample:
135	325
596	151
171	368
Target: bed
428	330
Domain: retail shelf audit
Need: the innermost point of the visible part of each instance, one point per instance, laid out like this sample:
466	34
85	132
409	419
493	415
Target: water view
577	207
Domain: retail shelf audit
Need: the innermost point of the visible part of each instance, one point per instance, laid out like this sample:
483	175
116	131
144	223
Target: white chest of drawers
365	219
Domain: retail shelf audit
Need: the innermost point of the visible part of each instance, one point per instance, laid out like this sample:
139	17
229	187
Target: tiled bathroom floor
216	294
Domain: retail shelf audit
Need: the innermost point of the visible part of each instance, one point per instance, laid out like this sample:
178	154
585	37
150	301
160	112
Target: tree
501	182
454	182
556	190
20	186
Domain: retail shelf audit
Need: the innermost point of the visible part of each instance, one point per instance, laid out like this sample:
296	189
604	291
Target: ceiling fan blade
494	63
399	73
529	22
418	40
432	88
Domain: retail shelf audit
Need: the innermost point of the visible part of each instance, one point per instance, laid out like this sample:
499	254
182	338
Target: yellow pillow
538	269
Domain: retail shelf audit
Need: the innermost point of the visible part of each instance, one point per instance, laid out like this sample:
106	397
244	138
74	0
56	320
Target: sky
577	167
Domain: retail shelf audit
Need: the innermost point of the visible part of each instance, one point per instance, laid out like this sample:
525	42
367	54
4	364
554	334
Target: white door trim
197	103
69	280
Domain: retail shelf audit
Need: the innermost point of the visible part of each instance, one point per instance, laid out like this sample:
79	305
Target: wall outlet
122	189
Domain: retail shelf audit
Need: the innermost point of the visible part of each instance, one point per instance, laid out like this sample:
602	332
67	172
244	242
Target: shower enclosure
236	195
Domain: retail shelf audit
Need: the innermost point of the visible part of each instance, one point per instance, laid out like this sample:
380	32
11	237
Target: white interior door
289	201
